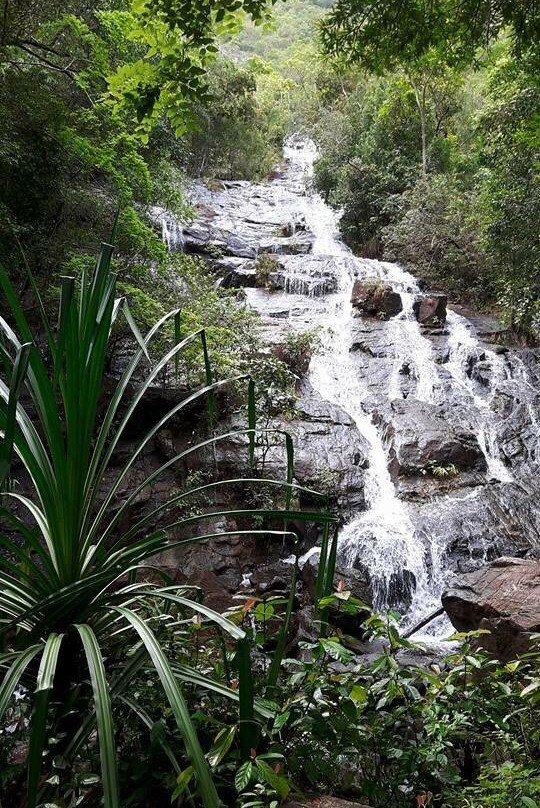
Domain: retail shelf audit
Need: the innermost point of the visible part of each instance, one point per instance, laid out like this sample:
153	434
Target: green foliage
75	594
233	139
509	784
92	100
434	229
265	265
298	349
384	34
230	325
509	193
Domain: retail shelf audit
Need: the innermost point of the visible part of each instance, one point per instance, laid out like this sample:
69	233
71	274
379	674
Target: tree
232	139
93	98
381	34
509	199
435	87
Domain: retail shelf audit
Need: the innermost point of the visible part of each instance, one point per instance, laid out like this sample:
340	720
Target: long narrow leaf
102	702
20	367
13	675
175	698
248	726
279	652
38	727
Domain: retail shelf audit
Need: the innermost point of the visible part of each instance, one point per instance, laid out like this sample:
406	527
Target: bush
265	265
435	232
298	349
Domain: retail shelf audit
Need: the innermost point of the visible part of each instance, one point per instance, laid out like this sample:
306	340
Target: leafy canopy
382	33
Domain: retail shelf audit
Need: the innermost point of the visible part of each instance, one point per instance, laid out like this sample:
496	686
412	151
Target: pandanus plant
71	577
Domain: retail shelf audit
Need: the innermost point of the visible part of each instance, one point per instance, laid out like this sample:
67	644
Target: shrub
264	266
298	349
74	588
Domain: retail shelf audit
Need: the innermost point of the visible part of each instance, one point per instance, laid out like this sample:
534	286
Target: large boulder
430	309
420	440
375	297
502	597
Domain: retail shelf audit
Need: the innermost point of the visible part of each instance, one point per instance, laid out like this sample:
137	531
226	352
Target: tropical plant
72	577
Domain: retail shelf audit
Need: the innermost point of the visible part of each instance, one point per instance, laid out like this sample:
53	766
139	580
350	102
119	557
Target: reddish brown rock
502	597
373	296
430	309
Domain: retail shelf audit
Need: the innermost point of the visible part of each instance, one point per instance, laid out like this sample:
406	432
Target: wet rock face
239	273
313	276
419	437
430	309
373	296
290	245
503	598
330	455
478	524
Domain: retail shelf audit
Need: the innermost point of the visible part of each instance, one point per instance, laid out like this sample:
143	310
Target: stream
407	390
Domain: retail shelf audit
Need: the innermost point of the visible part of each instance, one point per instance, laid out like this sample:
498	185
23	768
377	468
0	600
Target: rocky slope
423	422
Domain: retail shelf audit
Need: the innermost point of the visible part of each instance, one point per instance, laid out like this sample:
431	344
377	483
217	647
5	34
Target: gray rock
419	437
292	245
312	275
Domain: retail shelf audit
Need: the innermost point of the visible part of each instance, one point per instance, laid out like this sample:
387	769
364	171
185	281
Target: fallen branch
423	623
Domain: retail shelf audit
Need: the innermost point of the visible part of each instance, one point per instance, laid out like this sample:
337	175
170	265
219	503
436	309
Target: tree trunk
421	104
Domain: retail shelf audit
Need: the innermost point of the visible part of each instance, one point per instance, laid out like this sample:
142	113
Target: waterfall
172	232
404	543
463	345
383	539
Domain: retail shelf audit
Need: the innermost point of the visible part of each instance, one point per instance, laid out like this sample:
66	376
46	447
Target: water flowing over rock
425	429
502	598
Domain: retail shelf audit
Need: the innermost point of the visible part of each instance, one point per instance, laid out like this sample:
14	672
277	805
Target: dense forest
129	684
430	150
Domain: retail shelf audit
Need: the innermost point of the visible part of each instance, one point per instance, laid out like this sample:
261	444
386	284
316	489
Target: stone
503	598
313	275
289	245
374	297
241	276
430	309
419	437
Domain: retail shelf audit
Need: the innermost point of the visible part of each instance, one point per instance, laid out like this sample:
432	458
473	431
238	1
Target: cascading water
171	230
463	345
405	546
383	537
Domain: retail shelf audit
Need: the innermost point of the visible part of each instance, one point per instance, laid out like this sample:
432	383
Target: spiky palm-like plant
72	578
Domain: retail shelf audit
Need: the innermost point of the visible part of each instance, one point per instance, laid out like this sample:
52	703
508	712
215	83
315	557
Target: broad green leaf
243	775
277	781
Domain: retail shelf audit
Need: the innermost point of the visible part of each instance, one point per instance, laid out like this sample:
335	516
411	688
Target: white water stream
405	563
383	537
